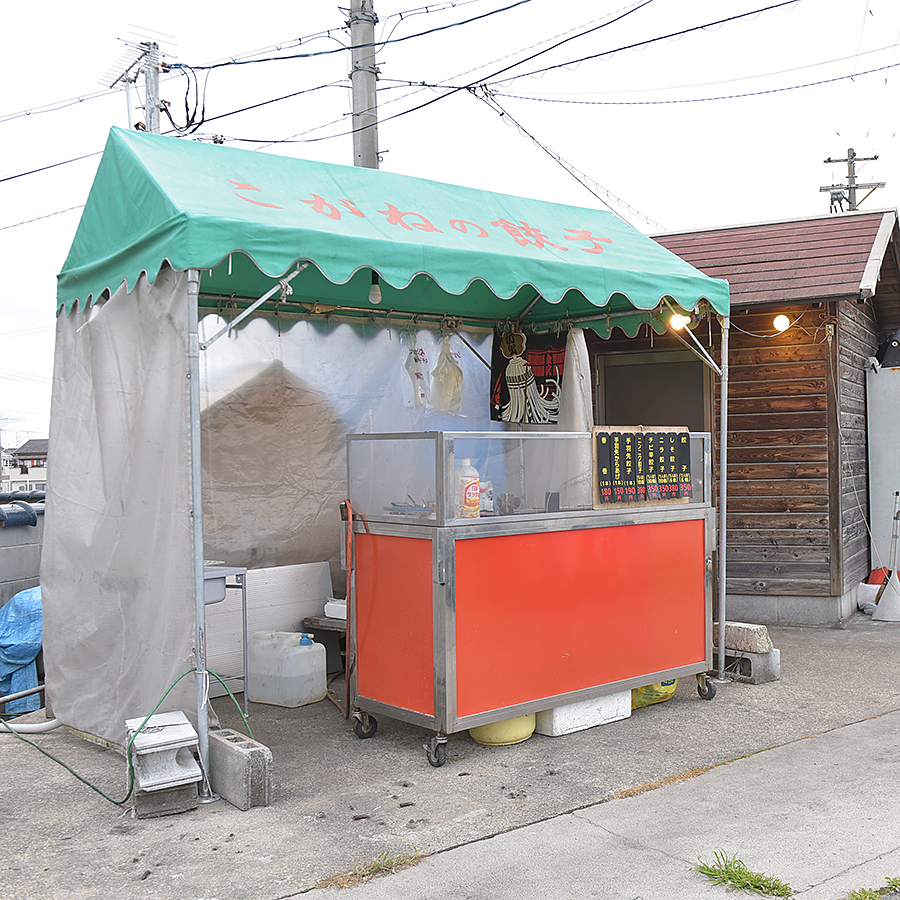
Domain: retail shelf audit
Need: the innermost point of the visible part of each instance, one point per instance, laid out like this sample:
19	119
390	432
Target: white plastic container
468	490
285	668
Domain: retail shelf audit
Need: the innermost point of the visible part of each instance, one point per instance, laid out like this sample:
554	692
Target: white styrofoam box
278	599
583	714
162	751
336	609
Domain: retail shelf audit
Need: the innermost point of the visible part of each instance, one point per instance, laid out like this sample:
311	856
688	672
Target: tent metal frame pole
723	490
205	792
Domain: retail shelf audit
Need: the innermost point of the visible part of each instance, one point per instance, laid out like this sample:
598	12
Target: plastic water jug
285	668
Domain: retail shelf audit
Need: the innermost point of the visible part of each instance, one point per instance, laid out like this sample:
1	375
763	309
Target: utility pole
151	84
363	76
837	190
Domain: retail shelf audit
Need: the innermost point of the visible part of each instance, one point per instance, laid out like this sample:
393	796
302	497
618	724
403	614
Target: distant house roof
33	449
830	257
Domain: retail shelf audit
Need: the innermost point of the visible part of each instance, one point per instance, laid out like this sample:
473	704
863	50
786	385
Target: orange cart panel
394	624
547	613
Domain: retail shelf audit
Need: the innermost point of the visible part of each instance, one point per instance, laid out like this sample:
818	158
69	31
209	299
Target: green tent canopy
245	219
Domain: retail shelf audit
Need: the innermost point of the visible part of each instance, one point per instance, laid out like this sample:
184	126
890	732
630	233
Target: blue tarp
21	633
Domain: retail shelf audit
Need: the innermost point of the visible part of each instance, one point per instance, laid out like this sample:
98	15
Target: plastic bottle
468	496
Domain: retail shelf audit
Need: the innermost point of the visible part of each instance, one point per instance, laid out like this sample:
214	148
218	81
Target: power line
646	43
376	44
699	84
51	166
450	89
59	212
792	87
585	180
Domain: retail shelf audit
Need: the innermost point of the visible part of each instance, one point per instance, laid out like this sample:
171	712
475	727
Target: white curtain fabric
277	404
116	569
575	405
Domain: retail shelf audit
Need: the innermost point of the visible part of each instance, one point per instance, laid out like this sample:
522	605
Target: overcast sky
720	125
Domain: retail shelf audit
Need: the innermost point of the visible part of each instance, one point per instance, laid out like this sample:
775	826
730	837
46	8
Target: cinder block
240	769
744	636
583	714
752	668
165	802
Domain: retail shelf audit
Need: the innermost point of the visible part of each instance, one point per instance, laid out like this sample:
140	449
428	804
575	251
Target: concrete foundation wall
787	610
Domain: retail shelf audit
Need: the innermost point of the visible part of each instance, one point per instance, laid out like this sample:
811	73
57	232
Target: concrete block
744	636
240	769
165	802
583	714
752	668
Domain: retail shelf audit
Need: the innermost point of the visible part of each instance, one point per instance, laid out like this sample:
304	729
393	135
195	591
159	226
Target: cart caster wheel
365	726
706	688
436	751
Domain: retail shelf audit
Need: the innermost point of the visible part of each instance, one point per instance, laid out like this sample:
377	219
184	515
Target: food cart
540	601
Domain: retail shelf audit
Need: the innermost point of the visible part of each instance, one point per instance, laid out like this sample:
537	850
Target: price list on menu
640	466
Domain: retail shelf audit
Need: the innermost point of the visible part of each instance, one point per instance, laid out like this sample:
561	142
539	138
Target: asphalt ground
615	811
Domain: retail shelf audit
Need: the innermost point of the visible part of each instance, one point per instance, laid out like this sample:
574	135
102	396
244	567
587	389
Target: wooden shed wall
779	541
856	341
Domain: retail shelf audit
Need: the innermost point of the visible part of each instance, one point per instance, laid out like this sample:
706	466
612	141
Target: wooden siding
857	340
779	485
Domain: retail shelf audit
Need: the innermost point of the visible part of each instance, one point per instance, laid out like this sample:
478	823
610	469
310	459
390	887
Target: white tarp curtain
277	404
116	566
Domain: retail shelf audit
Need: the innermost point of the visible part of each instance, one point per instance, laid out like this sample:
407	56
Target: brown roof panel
781	261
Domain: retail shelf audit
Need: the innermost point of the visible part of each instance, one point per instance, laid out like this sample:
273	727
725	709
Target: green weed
893	887
384	864
733	873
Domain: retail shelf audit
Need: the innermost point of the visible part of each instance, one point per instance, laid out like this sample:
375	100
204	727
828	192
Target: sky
658	109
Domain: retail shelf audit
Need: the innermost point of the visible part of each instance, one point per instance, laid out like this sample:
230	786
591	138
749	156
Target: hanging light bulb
678	321
375	290
781	323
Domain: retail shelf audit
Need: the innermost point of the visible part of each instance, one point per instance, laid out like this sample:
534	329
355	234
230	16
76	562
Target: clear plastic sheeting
277	404
116	570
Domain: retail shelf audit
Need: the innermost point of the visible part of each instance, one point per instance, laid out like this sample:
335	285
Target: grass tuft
893	887
733	873
385	863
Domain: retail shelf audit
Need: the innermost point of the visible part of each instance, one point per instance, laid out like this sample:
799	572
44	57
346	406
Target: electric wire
450	89
645	43
775	334
778	90
682	87
10	729
59	212
376	44
579	176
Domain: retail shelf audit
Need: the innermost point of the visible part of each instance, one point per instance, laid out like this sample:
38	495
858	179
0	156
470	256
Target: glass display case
421	478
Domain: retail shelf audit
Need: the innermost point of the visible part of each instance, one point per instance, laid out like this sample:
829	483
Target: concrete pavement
797	778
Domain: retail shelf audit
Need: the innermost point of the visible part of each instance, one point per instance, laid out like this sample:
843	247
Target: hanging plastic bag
446	381
416	365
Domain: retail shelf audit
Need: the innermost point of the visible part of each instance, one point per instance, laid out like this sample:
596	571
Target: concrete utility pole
363	76
151	83
837	190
